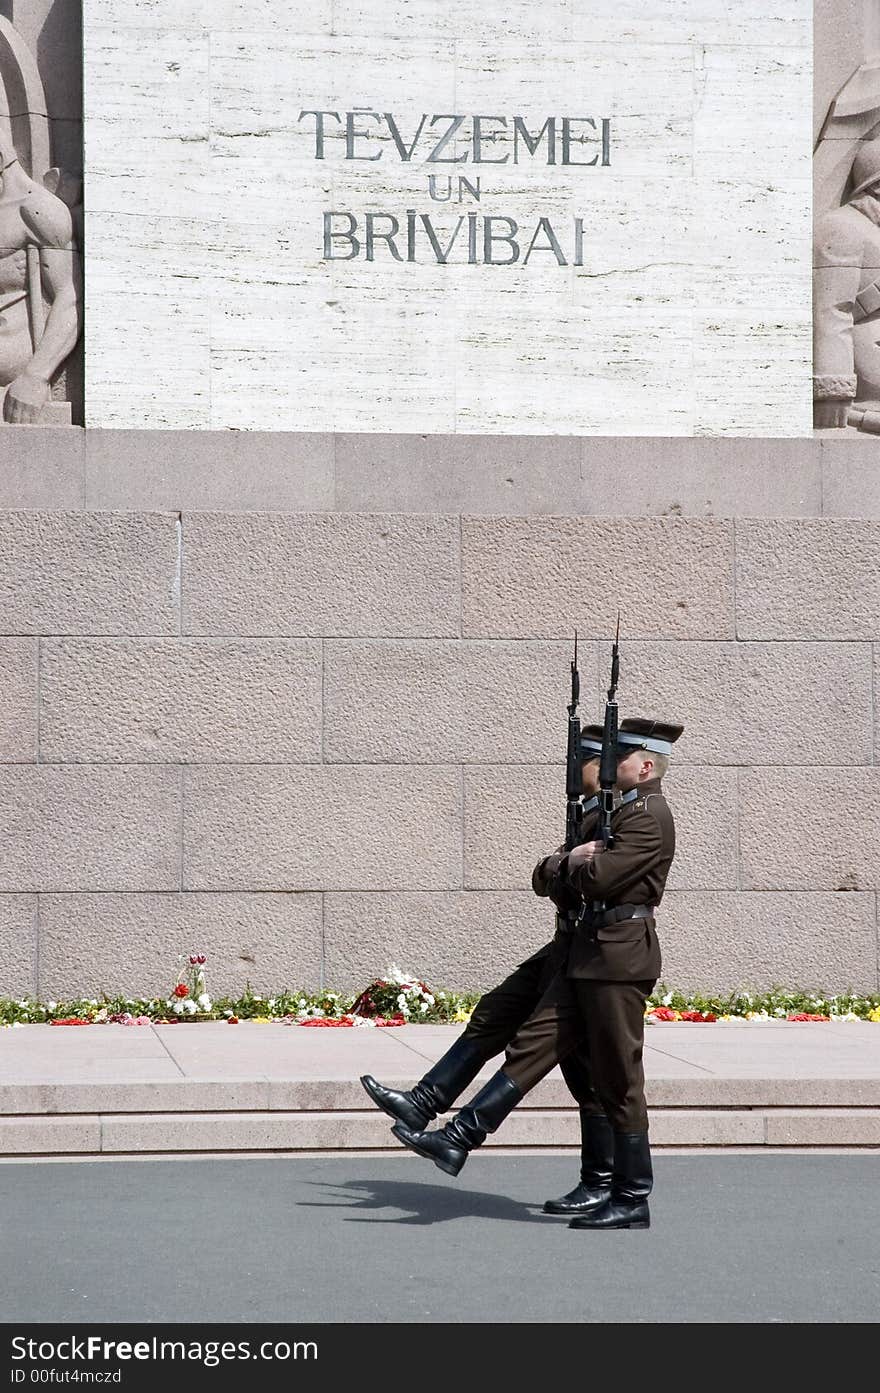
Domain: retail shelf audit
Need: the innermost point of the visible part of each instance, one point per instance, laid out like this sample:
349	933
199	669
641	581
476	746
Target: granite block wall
287	717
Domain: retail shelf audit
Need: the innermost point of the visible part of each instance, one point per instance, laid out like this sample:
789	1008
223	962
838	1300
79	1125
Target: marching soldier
501	1012
599	998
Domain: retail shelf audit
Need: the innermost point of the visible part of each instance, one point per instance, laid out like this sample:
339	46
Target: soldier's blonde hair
660	762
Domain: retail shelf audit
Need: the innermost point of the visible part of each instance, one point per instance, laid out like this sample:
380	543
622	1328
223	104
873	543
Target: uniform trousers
500	1017
604	1023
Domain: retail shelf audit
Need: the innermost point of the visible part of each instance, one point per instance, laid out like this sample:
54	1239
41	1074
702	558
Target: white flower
51	1005
423	1007
204	1001
189	1006
177	1006
667	999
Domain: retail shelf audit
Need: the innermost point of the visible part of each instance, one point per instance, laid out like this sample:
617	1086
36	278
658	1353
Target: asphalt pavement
759	1238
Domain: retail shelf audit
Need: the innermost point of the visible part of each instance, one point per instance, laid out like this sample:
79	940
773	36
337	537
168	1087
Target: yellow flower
461	1016
874	1015
264	1020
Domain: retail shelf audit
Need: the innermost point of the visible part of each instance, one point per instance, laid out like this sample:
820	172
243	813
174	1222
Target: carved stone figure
40	294
846	258
846	359
40	271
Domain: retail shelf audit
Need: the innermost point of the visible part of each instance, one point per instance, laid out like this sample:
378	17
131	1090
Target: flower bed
400	998
773	1005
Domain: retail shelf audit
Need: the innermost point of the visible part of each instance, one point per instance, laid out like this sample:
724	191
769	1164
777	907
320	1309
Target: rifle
567	920
608	758
574	781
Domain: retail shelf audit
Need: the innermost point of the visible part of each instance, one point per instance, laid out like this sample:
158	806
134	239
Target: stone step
269	1089
266	1094
527	1129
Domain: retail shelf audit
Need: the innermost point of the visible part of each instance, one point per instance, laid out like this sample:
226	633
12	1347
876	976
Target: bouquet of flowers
397	995
189	998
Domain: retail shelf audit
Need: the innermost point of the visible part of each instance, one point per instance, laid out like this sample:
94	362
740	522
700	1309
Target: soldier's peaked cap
591	740
637	733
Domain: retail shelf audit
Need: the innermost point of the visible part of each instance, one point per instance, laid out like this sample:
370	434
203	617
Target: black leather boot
631	1184
449	1146
597	1162
435	1091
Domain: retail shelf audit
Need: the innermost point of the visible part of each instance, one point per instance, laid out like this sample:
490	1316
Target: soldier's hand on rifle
580	855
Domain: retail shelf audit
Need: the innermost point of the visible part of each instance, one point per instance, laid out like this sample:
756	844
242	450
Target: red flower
181	990
698	1016
230	1020
664	1013
70	1020
806	1016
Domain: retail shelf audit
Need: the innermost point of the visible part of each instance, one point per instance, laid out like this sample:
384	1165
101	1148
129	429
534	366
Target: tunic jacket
632	873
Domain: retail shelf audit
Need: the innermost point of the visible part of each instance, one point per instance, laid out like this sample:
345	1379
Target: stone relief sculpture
40	264
846	260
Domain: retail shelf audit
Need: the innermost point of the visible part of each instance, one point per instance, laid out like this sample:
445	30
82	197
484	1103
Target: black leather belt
617	914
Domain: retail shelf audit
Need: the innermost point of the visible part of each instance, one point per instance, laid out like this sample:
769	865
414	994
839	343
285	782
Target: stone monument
40	267
846	260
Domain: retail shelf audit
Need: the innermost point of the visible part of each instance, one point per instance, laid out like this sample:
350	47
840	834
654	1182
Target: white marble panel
777	23
752	244
623	373
160	87
645	90
753	113
162	376
449	21
209	283
752	373
145	137
304	16
641	245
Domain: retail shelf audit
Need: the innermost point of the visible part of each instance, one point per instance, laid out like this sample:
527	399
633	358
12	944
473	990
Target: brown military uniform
501	1012
596	1005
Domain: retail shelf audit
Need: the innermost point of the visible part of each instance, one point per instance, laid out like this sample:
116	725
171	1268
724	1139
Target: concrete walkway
212	1088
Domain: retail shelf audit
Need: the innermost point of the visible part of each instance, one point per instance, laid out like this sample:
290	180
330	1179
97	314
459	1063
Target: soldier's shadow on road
428	1204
